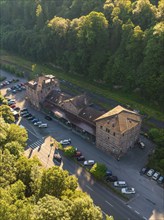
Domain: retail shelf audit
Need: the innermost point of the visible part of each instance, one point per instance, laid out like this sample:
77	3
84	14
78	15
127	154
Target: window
101	126
114	133
113	125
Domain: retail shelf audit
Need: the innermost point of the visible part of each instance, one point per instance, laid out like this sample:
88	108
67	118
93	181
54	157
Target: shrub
98	170
69	151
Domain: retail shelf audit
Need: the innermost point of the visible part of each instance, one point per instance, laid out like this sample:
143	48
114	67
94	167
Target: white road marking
89	187
144	218
109	203
136	212
31	133
104	213
129	206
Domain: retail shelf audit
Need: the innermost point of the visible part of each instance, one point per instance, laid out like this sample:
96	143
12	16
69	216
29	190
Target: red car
78	154
12	106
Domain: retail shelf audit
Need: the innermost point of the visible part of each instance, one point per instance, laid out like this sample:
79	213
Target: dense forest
119	42
30	192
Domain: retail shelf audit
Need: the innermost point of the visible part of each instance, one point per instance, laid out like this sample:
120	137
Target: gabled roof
90	114
57	97
120	119
79	101
116	111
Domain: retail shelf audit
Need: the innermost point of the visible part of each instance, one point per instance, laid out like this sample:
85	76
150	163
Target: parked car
144	170
12	106
26	115
111	178
48	118
78	154
43	126
150	172
31	117
57	157
108	173
24	109
141	144
128	190
160	180
38	123
65	142
120	184
89	163
11	102
14	91
81	158
155	175
24	112
17	109
35	120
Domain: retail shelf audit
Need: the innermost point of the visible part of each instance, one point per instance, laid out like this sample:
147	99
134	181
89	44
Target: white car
141	144
120	184
128	190
43	126
155	175
89	162
38	123
150	172
65	142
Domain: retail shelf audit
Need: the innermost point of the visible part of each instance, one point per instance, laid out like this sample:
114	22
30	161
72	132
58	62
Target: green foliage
6	113
69	151
27	191
2	78
157	136
98	170
50	208
7	168
118	42
156	160
56	181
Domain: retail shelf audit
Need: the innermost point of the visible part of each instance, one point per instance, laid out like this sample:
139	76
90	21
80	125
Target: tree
98	170
56	181
6	113
28	171
51	208
69	151
14	148
16	133
7	168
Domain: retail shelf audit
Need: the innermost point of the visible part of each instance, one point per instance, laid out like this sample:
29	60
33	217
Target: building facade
37	90
113	132
117	130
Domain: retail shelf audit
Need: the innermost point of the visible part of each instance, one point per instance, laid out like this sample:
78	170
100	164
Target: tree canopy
118	42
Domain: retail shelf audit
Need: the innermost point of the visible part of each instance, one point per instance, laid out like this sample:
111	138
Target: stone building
37	90
114	131
117	130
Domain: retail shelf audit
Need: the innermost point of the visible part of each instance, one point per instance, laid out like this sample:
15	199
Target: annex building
114	131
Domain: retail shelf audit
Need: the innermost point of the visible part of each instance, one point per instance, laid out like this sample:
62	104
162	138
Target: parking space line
109	203
136	212
129	206
89	188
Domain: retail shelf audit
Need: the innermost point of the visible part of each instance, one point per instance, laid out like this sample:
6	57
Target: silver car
150	172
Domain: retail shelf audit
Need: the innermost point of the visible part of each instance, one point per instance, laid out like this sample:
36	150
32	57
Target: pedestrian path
36	144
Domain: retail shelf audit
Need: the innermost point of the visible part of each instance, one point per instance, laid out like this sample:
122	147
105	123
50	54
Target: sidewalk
44	152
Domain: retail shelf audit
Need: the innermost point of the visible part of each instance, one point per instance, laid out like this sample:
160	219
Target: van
43	126
120	184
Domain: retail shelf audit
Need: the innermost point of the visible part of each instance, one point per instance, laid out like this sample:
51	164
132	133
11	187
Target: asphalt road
148	201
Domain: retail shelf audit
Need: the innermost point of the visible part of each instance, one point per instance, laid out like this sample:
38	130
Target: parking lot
149	195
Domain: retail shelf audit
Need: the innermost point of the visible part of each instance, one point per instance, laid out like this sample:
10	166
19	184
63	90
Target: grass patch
125	98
